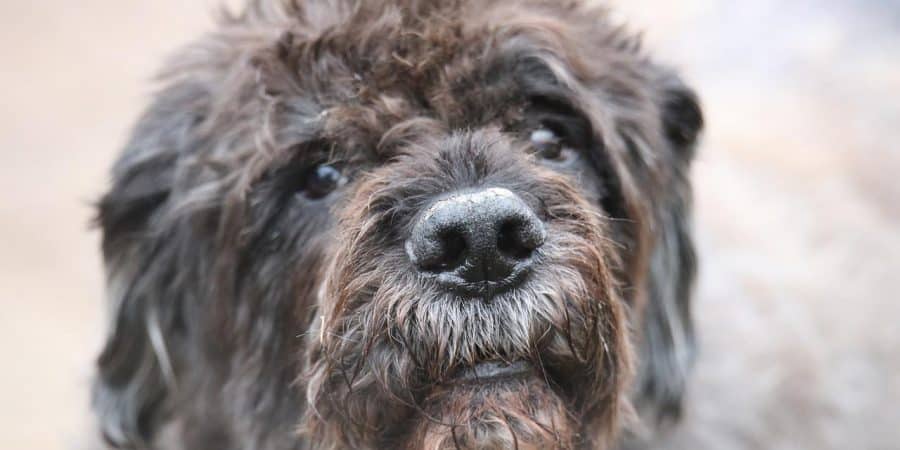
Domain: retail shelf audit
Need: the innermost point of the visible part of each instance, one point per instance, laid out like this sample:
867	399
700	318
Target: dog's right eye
547	144
322	180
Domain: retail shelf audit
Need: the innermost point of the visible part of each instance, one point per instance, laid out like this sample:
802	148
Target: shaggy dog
401	224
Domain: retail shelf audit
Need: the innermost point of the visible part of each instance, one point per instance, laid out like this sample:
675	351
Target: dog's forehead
491	90
429	75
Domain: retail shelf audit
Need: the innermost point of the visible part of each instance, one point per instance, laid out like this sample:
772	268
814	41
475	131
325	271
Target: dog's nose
479	242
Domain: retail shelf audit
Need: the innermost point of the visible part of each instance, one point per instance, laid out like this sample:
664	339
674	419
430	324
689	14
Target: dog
402	224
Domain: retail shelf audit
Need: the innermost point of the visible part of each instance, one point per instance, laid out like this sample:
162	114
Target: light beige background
798	202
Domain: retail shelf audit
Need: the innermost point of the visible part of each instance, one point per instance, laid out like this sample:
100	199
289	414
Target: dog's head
401	225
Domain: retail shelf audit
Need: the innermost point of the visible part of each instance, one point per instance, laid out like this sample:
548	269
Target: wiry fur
388	335
246	315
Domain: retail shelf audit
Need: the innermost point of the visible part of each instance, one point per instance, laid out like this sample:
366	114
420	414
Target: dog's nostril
453	246
515	240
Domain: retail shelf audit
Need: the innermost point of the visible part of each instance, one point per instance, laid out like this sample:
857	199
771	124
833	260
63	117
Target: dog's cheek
347	406
355	377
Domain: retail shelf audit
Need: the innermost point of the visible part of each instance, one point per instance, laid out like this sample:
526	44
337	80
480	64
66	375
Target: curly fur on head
254	309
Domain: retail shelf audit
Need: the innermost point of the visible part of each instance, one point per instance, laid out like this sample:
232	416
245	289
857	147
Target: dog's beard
523	414
385	363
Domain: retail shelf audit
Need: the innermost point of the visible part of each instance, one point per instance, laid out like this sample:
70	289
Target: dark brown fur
250	316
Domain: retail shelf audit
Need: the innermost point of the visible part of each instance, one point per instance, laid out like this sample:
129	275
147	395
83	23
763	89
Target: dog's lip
490	371
485	289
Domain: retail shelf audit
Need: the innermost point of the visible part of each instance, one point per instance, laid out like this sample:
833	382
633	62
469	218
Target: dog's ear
667	342
138	364
667	338
682	116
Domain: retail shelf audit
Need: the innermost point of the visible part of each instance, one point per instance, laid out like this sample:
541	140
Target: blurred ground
798	214
74	76
798	207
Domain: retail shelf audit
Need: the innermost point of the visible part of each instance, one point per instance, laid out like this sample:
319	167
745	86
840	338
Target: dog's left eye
548	145
322	180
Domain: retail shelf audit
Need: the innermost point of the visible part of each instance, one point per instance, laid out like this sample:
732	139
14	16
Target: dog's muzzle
476	243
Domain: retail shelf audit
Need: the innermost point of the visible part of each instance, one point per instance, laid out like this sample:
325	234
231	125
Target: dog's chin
494	406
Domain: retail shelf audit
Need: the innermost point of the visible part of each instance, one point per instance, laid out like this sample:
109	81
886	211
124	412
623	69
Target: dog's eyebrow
532	72
556	102
543	89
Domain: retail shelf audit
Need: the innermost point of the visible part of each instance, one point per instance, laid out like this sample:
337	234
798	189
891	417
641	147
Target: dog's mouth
492	371
484	289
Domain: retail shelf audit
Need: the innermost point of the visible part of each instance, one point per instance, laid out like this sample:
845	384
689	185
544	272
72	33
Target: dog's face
471	293
410	226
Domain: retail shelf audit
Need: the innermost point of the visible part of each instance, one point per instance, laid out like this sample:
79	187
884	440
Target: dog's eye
322	180
548	145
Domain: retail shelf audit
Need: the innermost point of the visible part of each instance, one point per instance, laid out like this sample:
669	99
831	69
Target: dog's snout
477	242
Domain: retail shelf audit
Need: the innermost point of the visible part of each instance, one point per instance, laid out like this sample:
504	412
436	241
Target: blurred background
797	191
